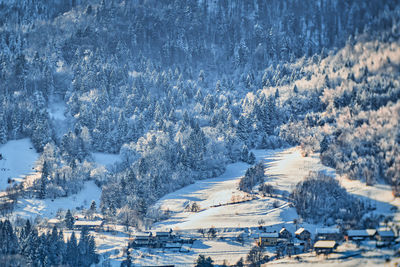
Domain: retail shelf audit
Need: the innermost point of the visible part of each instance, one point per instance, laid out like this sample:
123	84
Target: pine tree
72	254
244	155
69	220
252	158
93	206
202	261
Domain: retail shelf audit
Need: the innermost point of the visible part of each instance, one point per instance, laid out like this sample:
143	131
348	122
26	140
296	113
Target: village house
324	246
141	240
90	225
328	234
386	236
284	233
302	234
268	239
163	236
358	235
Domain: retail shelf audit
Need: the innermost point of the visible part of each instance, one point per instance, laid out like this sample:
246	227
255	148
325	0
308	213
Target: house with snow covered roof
302	234
361	234
325	246
385	236
268	239
284	233
90	225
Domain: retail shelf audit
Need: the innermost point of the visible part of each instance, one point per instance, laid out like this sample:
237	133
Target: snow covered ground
58	117
18	160
284	169
106	159
33	207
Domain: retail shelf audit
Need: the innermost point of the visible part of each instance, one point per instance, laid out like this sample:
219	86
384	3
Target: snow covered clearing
106	159
284	169
57	113
18	159
32	207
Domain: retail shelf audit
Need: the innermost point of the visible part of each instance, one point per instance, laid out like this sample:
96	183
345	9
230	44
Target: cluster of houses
326	239
166	240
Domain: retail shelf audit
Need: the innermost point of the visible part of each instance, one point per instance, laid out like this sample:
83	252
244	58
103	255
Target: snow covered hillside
284	169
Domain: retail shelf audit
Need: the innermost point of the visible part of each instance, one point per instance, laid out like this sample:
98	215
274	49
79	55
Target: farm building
386	236
302	234
284	233
361	234
90	225
328	234
163	236
324	246
268	239
141	240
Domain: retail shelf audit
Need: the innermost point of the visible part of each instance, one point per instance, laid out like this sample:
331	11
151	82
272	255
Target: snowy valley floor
284	169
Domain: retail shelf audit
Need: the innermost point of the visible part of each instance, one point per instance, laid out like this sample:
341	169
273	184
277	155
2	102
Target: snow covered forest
180	89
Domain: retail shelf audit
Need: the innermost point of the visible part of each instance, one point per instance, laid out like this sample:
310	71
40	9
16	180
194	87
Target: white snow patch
105	159
57	111
18	160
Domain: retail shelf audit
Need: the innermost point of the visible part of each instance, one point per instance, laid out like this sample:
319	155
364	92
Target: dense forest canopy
181	88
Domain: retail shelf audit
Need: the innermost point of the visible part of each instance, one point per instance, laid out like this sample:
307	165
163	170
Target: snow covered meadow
18	159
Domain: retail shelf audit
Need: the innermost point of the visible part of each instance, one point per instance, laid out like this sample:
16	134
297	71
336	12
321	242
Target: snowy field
284	169
18	160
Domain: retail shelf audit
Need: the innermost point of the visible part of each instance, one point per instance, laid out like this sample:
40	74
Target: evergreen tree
69	220
202	261
72	255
